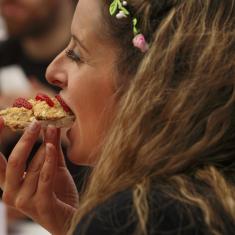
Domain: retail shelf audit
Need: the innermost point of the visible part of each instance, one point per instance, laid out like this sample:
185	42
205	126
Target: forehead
87	18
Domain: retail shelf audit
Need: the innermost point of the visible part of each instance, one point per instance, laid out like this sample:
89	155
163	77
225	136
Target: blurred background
32	33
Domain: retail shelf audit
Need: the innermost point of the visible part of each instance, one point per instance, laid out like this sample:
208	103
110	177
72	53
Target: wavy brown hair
176	116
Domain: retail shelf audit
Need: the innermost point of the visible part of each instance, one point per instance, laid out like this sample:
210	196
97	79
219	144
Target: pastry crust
19	118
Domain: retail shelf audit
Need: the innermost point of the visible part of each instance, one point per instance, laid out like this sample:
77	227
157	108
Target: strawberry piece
44	97
22	102
62	103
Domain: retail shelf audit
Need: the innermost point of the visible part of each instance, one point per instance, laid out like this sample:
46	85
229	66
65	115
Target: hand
45	191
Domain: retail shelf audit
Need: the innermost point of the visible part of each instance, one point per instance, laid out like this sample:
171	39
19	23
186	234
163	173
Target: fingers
30	184
39	179
3	165
52	135
48	171
17	160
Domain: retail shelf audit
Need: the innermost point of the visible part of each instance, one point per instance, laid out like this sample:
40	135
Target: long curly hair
176	113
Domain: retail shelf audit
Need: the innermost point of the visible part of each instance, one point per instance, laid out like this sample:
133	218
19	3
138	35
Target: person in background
37	31
152	86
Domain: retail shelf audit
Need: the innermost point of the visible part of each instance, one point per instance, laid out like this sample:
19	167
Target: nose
56	72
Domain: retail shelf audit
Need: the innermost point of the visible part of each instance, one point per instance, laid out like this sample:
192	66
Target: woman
151	84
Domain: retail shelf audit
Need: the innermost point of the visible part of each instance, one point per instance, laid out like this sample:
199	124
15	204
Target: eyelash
72	55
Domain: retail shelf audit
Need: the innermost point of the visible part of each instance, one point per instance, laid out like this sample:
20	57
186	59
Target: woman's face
85	72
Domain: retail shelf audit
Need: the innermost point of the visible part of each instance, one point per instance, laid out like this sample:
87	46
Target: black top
167	217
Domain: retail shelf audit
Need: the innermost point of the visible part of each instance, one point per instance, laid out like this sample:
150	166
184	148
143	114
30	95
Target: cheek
93	104
91	96
84	144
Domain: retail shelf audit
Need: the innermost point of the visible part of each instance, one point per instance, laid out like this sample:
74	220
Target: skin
47	192
88	84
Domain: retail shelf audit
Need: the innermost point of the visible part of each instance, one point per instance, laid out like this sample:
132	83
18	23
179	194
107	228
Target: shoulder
170	216
111	217
118	216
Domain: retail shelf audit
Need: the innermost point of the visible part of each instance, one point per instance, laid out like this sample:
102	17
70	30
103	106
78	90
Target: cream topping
18	117
42	110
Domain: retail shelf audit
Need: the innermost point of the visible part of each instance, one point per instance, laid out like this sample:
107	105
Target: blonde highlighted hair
176	115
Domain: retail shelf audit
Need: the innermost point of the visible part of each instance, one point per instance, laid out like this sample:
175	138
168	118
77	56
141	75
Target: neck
50	43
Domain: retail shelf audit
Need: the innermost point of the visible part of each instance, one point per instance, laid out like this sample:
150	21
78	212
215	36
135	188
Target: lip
66	103
69	131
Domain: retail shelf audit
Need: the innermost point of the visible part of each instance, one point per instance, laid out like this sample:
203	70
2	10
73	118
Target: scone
43	108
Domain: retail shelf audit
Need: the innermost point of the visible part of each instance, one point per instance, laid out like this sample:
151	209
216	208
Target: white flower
124	3
120	15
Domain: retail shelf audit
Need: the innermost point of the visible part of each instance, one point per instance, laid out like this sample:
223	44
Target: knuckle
35	168
21	203
45	177
8	199
14	162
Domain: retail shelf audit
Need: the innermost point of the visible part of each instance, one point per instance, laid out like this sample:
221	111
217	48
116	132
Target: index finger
17	159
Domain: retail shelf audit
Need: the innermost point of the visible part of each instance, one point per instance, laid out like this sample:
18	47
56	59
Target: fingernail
34	126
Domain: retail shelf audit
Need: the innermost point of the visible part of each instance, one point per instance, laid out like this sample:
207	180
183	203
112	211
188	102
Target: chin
79	158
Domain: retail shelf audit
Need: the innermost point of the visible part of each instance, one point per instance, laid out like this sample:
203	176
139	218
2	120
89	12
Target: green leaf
125	11
119	4
134	22
135	30
113	7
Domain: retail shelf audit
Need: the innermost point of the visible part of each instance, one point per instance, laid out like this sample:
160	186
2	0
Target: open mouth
64	104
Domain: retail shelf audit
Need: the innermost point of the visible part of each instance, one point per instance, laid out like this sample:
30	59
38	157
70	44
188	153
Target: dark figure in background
37	31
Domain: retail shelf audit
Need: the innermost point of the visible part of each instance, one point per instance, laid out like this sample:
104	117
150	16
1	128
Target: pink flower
139	42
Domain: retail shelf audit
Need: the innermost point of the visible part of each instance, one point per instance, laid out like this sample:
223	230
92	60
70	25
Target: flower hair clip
118	7
140	42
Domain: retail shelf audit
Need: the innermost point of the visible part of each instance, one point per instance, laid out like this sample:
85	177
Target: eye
72	55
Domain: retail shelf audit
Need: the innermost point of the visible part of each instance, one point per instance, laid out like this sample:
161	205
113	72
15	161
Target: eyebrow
80	43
